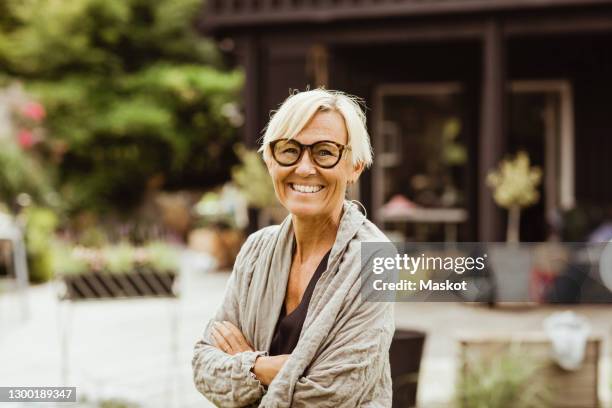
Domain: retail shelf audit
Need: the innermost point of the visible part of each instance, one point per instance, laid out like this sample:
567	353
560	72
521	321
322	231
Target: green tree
131	92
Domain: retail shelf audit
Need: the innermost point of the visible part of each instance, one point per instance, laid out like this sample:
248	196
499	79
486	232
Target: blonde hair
299	108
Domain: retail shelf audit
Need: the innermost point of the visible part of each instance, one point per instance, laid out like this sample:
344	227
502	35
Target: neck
314	236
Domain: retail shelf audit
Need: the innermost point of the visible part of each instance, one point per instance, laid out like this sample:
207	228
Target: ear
357	169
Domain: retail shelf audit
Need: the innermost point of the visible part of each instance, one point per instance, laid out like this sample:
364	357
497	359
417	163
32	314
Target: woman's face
307	190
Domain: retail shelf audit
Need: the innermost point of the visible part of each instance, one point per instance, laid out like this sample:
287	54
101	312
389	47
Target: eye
325	152
290	150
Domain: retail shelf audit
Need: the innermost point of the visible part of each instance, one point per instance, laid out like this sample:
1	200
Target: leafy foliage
119	258
21	174
161	256
508	379
131	92
515	183
26	174
253	179
63	261
40	227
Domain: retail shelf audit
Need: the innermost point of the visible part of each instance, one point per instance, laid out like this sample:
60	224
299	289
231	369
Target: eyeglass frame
303	148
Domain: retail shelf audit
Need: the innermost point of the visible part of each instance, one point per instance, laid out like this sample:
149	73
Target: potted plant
517	369
515	186
221	219
252	178
505	380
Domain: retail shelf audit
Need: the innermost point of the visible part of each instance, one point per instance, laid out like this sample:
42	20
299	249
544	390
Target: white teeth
306	189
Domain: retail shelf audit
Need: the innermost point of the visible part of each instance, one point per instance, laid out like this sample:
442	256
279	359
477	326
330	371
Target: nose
305	167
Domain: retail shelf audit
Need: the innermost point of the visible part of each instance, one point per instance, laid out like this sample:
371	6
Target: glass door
541	123
419	186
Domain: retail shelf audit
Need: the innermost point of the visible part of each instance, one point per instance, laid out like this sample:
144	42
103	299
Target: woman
293	329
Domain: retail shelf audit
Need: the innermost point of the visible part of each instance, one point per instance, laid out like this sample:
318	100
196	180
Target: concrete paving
140	350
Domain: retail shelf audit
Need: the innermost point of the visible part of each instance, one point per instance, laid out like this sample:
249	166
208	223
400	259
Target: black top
289	327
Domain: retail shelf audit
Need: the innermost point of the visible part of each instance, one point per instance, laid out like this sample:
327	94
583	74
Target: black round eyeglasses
324	153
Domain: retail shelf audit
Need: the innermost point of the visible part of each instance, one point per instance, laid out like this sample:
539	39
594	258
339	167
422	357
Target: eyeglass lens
325	154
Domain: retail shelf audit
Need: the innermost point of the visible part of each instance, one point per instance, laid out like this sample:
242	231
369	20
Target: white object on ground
568	333
605	265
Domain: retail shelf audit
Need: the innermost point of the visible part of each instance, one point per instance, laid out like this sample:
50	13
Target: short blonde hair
299	108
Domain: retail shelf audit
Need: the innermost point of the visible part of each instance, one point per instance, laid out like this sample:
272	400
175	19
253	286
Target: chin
301	209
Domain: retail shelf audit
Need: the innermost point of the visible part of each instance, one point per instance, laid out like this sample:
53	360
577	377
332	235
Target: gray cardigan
342	357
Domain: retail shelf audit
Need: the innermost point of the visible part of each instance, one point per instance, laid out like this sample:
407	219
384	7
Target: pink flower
26	139
34	111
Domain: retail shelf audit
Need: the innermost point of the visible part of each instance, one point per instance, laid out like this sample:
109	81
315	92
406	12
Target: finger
244	344
229	336
231	327
212	337
237	334
224	345
217	338
220	340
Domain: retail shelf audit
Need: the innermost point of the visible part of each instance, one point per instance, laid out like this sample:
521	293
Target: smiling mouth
302	188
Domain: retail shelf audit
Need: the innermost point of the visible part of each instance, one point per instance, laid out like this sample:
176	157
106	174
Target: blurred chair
405	359
18	265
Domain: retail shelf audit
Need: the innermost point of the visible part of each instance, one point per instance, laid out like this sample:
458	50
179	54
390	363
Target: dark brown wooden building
451	87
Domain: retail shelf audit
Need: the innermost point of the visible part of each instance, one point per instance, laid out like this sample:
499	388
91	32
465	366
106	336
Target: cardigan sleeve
224	379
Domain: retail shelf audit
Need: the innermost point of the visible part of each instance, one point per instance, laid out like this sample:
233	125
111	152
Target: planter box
570	389
104	285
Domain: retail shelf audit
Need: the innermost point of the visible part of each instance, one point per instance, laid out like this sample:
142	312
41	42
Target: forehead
326	125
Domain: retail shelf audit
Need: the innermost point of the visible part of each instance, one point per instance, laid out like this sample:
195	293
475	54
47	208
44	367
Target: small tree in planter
247	202
252	178
515	186
222	216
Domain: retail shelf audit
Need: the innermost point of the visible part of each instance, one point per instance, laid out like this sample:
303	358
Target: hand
266	367
229	338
